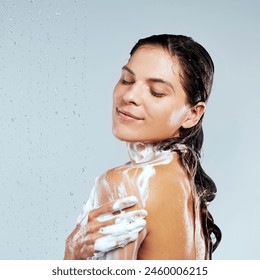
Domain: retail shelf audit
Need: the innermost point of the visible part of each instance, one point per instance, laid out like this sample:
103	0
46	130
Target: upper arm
117	183
170	220
112	185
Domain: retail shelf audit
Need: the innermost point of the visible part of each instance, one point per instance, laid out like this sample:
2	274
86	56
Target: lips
127	114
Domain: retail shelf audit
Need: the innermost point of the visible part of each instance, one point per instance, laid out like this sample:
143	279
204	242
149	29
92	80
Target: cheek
177	116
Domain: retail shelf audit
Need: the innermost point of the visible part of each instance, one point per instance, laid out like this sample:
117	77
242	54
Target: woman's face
149	103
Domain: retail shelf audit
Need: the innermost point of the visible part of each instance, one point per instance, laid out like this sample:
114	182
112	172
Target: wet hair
197	70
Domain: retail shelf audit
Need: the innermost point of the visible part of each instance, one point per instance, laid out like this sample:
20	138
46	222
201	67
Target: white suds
144	158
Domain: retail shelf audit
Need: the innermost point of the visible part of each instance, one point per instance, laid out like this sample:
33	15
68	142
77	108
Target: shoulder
118	182
120	174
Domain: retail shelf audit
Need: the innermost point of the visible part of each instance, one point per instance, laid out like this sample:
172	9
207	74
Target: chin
124	137
131	137
127	137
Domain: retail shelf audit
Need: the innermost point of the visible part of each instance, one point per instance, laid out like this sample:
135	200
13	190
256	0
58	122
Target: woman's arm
117	183
170	229
92	238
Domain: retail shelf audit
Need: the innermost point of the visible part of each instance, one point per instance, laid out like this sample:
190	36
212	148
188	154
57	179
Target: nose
133	95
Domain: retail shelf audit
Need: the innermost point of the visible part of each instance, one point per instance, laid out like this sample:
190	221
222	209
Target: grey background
60	60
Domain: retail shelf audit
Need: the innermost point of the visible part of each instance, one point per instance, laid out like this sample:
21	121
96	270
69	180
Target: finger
130	216
122	228
127	239
110	242
124	202
104	212
83	238
123	217
86	252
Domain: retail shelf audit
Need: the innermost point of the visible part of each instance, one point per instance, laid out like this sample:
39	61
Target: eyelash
153	93
157	94
124	82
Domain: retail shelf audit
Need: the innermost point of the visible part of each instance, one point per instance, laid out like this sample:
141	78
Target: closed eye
125	82
157	94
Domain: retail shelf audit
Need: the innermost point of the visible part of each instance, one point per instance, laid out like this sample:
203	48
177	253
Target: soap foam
144	158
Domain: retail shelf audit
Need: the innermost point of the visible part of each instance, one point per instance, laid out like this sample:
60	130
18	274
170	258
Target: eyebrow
154	80
128	70
158	80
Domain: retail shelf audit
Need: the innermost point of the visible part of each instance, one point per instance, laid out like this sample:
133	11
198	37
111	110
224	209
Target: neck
143	152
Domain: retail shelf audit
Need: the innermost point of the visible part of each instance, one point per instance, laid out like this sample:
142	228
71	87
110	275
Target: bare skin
80	243
171	231
150	105
171	225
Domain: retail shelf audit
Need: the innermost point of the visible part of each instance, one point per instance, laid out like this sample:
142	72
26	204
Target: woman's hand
106	228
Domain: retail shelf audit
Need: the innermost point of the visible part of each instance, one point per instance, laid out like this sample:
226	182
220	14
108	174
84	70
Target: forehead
153	61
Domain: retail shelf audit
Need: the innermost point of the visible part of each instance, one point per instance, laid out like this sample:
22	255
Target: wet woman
158	107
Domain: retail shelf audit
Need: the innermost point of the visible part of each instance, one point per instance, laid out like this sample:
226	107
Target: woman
158	107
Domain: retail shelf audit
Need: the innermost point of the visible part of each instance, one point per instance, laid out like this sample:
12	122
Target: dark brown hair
197	70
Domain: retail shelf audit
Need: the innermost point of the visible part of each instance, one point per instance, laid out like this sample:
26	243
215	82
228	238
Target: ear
194	114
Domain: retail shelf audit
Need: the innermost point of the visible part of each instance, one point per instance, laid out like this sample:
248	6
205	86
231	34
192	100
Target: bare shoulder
121	174
119	182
